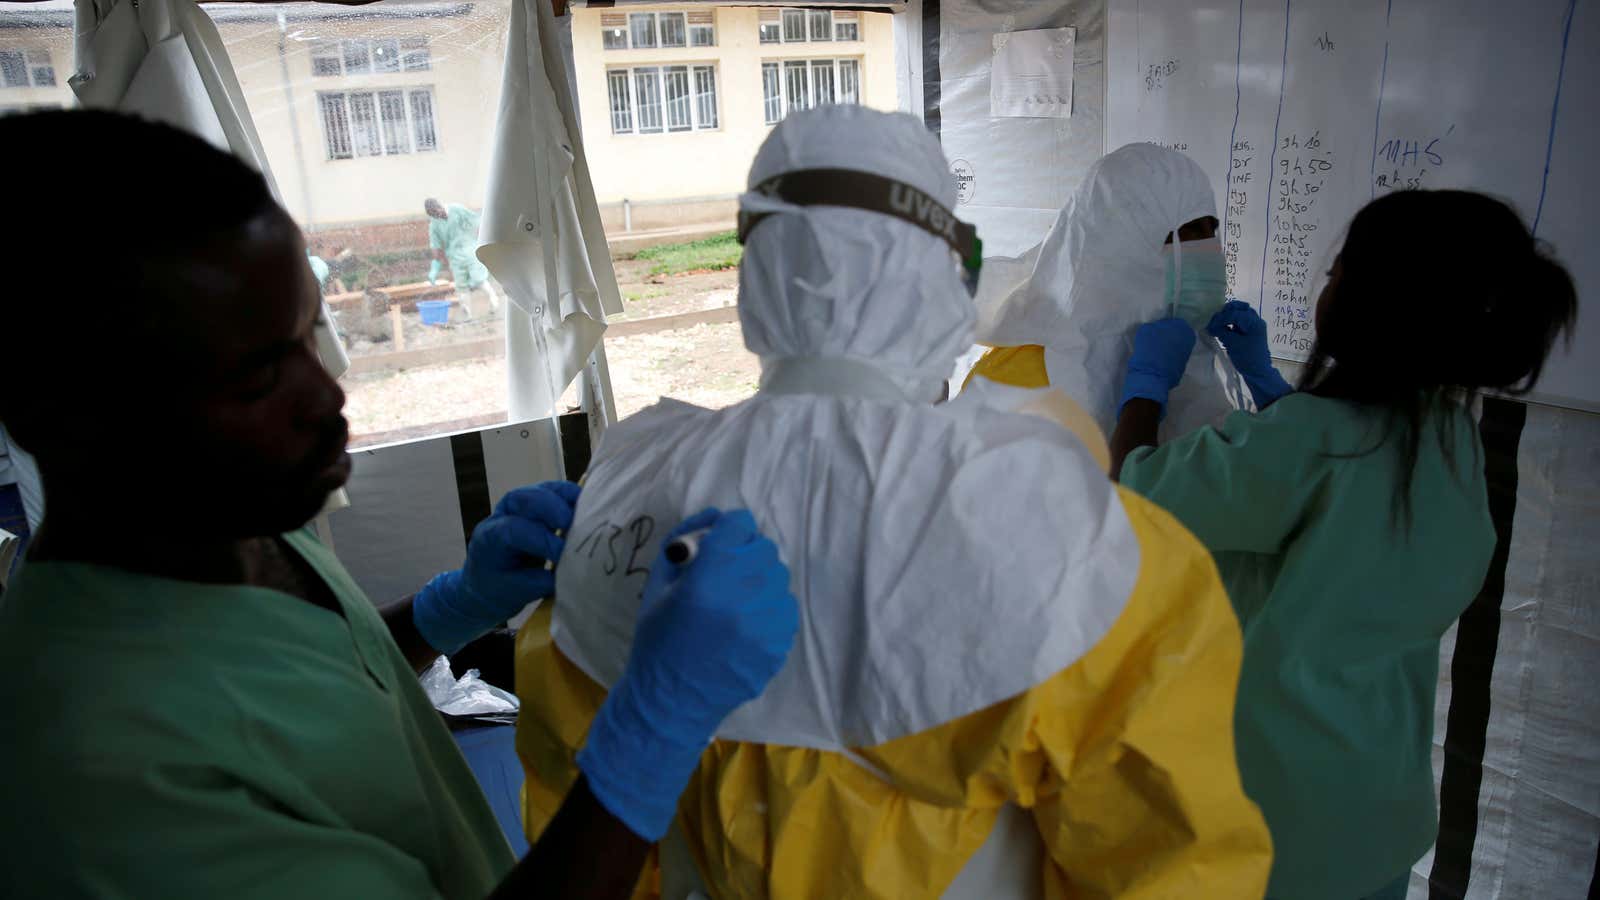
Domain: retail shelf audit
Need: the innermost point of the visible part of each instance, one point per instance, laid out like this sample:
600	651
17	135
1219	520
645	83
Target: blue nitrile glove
433	272
1243	334
504	571
710	636
1160	353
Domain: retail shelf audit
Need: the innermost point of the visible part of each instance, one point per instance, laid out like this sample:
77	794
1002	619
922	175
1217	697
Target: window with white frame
702	28
614	31
846	26
368	56
647	31
26	68
794	84
821	24
771	26
772	92
674	29
794	26
377	123
657	99
798	26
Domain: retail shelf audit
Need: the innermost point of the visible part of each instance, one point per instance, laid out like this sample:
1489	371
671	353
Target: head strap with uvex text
873	193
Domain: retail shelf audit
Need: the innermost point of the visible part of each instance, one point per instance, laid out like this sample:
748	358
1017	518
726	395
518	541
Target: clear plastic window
383	107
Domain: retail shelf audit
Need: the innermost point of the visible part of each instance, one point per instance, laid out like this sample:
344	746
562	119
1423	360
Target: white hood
945	557
1099	274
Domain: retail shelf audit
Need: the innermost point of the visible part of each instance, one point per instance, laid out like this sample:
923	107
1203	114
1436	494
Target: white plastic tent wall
1517	733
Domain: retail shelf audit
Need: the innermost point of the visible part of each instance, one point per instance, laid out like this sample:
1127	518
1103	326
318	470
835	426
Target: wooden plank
672	323
366	364
398	328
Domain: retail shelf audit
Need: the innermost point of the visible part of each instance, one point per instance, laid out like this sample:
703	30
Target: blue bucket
434	312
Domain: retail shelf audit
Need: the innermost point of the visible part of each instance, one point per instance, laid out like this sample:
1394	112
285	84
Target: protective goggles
873	193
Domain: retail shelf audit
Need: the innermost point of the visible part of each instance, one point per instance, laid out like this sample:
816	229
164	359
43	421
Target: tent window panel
794	26
679	111
647	90
396	131
642	26
335	125
705	97
673	30
849	81
797	89
422	127
621	102
772	93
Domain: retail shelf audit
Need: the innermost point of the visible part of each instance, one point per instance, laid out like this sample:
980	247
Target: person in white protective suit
1012	678
1137	241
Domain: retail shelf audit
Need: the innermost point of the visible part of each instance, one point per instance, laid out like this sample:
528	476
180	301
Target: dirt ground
706	365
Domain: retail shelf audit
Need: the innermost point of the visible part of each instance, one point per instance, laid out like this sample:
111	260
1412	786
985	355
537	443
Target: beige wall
57	42
466	52
652	167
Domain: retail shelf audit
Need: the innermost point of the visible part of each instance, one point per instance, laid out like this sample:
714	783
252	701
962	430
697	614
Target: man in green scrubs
200	702
453	238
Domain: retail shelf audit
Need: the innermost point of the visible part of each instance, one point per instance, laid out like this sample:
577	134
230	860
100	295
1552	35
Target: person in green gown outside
1349	519
453	238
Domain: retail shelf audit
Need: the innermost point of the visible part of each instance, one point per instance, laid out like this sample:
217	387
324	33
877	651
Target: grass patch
720	251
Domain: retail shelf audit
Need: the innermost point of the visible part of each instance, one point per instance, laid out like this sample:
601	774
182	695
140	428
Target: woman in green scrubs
1350	520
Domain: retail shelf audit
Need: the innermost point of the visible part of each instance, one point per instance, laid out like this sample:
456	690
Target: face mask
1197	280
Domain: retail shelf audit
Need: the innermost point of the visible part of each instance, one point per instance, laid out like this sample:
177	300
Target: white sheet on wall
1539	804
1032	75
1303	112
1017	172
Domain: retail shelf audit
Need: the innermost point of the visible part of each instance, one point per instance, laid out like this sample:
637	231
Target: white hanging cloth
542	236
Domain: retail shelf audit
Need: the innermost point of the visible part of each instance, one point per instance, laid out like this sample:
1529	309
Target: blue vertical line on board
1555	110
1283	79
1233	136
1377	117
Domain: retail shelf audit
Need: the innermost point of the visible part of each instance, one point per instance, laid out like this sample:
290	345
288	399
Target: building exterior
366	111
35	58
675	101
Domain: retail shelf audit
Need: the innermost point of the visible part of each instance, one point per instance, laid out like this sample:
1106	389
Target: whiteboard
1302	112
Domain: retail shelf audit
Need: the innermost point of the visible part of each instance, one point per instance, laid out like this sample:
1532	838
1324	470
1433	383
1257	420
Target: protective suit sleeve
1243	486
1024	367
1140	794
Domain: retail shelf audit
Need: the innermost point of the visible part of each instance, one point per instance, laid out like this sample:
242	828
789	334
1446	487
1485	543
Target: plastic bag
468	696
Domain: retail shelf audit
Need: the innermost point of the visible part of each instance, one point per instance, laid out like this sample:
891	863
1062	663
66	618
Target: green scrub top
457	236
1342	607
173	739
